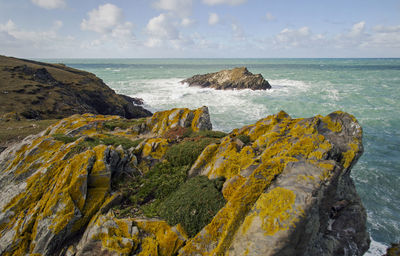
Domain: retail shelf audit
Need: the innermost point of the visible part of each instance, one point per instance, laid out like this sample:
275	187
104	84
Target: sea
369	89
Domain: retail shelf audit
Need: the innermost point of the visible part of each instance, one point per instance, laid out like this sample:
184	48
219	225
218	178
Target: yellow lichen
349	155
116	237
64	191
333	126
155	148
276	141
167	239
275	209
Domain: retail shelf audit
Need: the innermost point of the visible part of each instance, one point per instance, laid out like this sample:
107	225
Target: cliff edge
36	90
168	184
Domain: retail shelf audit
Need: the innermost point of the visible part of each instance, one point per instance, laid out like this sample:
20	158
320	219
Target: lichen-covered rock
197	120
106	235
286	183
54	183
237	78
283	187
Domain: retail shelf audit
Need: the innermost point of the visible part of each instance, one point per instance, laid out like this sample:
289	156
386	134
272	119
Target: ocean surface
367	88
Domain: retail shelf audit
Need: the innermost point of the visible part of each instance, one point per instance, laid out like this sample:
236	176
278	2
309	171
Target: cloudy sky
199	28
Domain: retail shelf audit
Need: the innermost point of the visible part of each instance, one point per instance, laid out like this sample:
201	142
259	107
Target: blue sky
199	28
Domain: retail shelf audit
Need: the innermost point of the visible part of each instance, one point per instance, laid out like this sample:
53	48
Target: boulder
237	78
88	185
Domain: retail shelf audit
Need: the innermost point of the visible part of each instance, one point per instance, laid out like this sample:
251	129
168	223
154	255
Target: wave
376	249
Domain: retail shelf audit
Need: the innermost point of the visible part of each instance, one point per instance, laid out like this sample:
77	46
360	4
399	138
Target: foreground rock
36	90
103	185
237	78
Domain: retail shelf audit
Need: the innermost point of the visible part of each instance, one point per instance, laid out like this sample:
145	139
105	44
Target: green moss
64	138
122	123
142	195
193	205
244	138
159	182
208	134
187	152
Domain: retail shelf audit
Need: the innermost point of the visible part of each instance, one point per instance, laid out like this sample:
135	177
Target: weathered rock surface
393	250
286	183
237	78
37	90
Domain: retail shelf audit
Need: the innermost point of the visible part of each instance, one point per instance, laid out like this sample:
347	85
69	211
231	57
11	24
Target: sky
200	28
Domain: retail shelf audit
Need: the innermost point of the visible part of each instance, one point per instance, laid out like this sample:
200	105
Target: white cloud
161	28
237	32
186	22
18	41
302	37
50	4
181	7
229	2
269	17
384	29
357	29
213	19
109	21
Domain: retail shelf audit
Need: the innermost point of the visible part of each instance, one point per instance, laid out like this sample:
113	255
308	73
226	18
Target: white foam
376	249
229	108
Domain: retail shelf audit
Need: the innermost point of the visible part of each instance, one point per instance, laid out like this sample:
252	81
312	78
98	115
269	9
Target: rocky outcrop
36	90
237	78
393	250
100	185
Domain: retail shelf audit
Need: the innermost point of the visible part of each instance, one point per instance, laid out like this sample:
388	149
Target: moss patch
244	138
64	138
186	153
143	194
193	205
122	123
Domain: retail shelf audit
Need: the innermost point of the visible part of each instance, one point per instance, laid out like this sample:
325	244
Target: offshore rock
237	78
37	90
286	183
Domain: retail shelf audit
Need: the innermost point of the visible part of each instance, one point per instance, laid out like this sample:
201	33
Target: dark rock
237	78
137	101
393	250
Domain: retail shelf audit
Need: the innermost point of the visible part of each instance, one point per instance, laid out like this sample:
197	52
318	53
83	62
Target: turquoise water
367	88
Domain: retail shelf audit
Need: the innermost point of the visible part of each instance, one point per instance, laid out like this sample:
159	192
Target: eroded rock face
237	78
286	183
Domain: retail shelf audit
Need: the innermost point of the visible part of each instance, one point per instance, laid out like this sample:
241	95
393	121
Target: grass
193	205
208	134
122	123
244	138
13	130
186	152
64	138
143	194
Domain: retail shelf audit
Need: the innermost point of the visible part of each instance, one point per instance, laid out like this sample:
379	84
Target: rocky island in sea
237	78
167	184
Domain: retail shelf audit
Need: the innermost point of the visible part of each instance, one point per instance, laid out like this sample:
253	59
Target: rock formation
105	185
237	78
37	90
